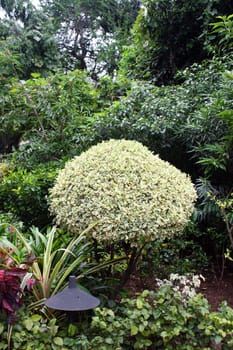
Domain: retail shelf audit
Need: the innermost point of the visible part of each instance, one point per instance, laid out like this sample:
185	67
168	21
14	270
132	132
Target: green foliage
182	255
49	115
174	120
225	206
110	90
23	193
222	322
224	30
9	217
34	332
9	68
218	155
215	159
50	259
9	63
29	34
135	196
5	168
167	36
206	208
162	320
53	265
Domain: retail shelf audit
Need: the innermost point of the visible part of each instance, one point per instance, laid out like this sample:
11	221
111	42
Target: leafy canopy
169	35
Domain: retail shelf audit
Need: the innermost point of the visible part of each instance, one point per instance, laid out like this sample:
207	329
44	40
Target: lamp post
72	299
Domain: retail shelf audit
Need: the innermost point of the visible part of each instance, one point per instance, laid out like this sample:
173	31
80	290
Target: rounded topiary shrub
134	195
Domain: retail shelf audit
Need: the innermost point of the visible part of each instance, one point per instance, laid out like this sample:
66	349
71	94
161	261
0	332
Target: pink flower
30	282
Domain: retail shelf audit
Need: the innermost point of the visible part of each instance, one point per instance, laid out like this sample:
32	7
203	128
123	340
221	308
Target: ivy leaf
134	330
218	339
36	318
28	324
139	303
58	341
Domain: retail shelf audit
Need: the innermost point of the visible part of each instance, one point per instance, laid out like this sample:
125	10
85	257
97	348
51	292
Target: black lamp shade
72	298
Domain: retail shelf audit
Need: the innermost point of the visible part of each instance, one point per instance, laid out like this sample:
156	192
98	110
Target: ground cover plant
175	316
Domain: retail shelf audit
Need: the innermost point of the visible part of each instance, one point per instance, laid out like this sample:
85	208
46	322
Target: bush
183	254
173	120
33	332
162	320
23	193
48	116
134	195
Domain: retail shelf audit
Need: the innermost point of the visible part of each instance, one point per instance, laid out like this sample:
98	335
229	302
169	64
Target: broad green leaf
134	330
36	318
28	324
139	303
58	341
35	75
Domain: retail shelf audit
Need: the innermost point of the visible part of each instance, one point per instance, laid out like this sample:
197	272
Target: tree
90	33
48	114
28	33
133	195
167	36
10	66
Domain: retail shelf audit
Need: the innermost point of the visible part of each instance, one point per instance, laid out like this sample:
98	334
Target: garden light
72	299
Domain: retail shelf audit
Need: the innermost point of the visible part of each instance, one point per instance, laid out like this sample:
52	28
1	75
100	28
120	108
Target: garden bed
213	288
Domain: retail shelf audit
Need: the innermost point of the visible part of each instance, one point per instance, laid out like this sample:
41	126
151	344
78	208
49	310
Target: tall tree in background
79	34
28	33
91	32
169	35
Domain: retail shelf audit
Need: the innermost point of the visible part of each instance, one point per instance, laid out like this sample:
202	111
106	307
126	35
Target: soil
214	288
217	290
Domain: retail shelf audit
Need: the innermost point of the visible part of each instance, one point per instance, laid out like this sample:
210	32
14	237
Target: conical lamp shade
72	298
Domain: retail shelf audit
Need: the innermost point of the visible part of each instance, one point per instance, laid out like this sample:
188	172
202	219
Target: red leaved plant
10	291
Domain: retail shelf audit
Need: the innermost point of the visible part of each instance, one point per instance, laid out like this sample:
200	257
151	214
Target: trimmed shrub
133	195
